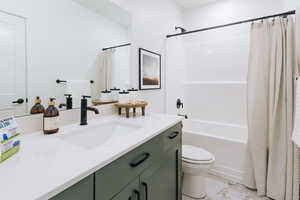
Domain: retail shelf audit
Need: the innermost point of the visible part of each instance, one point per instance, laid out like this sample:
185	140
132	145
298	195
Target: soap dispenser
51	118
38	107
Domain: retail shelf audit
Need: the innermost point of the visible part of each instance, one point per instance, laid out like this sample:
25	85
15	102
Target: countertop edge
94	169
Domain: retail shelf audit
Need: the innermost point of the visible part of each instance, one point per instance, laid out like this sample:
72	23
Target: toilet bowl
195	164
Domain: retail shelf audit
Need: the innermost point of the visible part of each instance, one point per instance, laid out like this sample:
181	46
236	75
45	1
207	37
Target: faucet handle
84	96
68	95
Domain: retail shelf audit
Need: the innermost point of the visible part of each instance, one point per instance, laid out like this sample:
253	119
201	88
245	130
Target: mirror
78	49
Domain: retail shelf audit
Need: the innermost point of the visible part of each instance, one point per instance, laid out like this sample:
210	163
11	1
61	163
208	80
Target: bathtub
228	143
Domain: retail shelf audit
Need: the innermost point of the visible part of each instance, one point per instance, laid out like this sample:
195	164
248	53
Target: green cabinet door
83	190
162	181
130	192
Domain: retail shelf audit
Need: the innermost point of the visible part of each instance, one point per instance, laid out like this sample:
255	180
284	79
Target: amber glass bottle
38	107
51	115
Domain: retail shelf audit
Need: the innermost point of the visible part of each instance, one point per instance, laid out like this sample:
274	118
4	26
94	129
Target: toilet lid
195	153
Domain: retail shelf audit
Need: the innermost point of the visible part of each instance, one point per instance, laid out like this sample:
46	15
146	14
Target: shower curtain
106	66
273	161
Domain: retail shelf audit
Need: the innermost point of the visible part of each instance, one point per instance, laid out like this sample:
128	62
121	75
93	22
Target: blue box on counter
9	138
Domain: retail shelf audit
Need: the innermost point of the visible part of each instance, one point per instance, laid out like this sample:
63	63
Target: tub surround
53	164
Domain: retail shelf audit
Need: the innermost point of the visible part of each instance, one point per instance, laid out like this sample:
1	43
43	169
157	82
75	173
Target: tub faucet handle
179	104
185	116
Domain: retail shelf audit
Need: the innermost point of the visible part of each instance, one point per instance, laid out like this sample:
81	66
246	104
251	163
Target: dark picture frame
149	70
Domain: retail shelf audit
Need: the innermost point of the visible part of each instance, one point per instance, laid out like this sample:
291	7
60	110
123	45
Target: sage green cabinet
81	190
152	171
160	181
131	192
115	176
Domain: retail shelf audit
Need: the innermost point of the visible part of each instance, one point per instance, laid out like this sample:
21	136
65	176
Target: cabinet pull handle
136	162
173	135
146	190
137	193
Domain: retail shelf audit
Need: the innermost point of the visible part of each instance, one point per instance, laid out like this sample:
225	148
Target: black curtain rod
114	47
235	23
58	81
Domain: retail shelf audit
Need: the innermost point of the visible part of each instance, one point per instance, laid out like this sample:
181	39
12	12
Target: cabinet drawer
172	137
115	176
130	192
81	190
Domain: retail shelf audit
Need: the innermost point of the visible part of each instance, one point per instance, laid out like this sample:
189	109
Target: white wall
64	40
151	22
292	4
226	11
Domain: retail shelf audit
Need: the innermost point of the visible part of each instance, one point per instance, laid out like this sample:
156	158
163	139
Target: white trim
230	174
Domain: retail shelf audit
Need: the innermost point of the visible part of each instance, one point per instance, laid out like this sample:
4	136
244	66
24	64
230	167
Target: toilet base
193	186
193	197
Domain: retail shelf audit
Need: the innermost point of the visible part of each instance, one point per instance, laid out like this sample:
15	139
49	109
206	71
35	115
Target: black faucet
84	109
69	102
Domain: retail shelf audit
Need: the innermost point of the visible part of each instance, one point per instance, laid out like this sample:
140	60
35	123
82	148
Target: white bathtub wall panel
218	55
217	102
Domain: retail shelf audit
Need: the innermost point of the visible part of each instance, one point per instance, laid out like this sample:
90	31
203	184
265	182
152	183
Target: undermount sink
93	136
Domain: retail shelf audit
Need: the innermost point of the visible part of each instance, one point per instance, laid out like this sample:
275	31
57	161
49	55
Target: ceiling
108	8
186	4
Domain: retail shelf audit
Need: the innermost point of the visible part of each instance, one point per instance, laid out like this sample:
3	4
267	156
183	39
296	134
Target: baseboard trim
235	176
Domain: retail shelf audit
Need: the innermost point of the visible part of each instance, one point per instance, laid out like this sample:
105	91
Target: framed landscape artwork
149	70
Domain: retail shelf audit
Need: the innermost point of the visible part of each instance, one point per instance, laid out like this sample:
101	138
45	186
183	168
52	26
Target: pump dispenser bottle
51	118
38	107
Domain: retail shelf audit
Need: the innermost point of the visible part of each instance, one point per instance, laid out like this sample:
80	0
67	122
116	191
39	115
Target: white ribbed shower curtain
273	166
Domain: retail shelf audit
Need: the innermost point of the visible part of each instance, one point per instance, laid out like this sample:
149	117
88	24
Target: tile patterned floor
221	189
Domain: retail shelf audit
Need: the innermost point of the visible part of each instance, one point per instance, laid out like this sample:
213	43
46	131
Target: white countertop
47	165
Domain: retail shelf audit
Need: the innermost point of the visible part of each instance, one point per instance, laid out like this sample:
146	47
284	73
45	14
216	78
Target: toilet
195	164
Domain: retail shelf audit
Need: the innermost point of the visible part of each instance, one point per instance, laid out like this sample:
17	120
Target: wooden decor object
139	104
99	102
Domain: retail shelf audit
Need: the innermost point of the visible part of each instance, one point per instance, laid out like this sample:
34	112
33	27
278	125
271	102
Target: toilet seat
196	155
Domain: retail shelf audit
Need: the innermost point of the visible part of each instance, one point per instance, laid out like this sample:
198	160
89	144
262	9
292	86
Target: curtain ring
285	17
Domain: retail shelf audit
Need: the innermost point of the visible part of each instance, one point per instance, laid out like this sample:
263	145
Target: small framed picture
149	70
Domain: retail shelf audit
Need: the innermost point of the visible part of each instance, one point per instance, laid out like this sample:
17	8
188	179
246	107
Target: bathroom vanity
112	158
151	172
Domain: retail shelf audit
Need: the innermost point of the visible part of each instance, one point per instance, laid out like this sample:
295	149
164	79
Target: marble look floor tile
221	189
